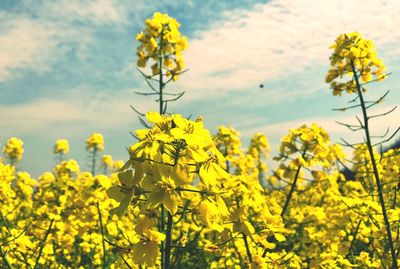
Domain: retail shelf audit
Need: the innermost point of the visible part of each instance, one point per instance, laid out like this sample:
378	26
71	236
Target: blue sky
67	68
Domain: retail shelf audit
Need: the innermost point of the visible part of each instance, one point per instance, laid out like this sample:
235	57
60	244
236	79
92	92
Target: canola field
188	197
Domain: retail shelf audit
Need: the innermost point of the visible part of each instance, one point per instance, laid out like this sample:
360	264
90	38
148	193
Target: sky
68	69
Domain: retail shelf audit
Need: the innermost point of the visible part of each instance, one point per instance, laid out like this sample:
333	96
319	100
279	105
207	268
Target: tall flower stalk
94	144
355	57
162	43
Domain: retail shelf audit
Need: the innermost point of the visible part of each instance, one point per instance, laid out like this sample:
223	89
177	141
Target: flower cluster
61	147
222	217
162	43
59	213
353	56
95	142
310	146
13	149
107	161
166	159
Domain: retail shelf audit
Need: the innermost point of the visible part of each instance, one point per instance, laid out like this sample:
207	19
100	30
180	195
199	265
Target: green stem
94	160
6	224
247	247
237	250
375	169
42	244
102	236
246	243
3	255
126	262
353	240
260	172
162	224
293	187
167	259
161	83
161	111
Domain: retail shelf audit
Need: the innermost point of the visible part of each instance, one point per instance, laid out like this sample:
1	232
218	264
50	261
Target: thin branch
377	79
15	238
353	100
351	127
175	73
347	144
382	136
378	101
147	78
137	111
102	236
5	260
165	107
388	139
42	244
146	93
383	114
144	123
126	263
176	98
345	108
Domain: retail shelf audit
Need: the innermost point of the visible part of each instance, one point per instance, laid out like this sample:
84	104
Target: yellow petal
154	117
122	206
171	201
115	193
126	178
279	237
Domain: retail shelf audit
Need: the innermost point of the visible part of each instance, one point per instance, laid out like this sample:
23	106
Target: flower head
353	56
61	146
14	149
107	161
95	141
162	42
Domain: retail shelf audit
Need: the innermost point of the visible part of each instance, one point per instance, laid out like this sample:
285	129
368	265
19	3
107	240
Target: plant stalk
293	187
375	169
94	159
246	243
102	236
42	243
167	251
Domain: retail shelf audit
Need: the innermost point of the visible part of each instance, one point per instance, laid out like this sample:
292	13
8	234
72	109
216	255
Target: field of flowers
185	198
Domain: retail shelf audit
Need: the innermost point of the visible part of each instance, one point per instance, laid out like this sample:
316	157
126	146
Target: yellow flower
14	149
125	192
258	263
161	40
118	164
164	193
61	146
210	215
145	253
353	53
107	161
67	168
95	142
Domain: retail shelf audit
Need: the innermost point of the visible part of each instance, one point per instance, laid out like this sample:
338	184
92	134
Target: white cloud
25	43
279	38
83	109
96	11
37	43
